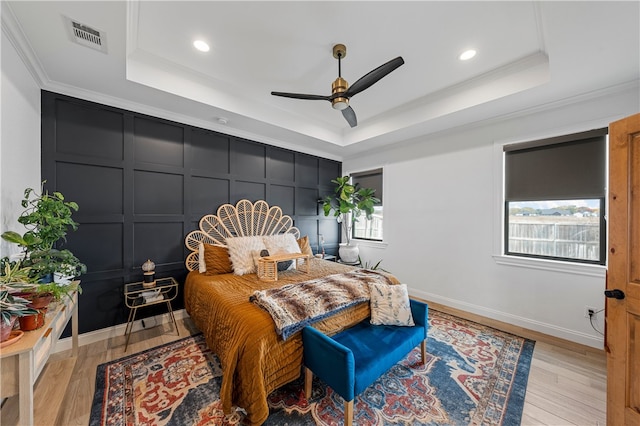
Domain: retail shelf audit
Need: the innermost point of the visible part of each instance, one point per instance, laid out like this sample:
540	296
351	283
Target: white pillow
202	266
282	243
390	305
240	253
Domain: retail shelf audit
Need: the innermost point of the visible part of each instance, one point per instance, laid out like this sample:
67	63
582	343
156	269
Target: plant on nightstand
348	203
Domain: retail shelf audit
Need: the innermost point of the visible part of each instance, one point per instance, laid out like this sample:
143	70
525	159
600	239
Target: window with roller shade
555	193
369	229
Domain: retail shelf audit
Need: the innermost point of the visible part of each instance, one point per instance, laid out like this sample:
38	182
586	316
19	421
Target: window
369	229
555	198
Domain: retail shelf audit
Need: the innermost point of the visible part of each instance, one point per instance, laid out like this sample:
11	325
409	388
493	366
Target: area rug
474	375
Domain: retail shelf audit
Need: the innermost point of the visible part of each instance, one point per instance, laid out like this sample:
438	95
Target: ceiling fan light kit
340	90
338	87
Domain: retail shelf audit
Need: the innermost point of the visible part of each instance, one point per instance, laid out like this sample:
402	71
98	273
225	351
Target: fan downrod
339	51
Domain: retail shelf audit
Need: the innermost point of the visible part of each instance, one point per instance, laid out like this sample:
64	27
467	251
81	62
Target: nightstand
137	296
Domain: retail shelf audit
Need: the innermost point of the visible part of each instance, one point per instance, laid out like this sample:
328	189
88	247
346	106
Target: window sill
598	271
370	243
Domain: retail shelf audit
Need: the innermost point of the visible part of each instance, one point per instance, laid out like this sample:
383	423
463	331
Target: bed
255	360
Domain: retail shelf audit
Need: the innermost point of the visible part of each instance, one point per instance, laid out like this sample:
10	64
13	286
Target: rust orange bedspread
255	360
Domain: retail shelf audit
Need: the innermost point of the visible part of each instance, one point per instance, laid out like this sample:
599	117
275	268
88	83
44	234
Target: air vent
87	36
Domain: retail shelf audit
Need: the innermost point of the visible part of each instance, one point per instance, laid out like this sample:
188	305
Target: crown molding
12	31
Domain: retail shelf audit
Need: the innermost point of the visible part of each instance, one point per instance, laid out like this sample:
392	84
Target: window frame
380	171
499	256
602	240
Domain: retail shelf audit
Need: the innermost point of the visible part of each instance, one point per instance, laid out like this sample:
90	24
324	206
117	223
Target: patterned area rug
474	375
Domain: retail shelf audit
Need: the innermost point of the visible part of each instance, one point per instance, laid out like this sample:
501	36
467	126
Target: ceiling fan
340	90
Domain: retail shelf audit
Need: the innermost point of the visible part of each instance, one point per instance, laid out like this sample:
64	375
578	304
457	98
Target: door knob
614	294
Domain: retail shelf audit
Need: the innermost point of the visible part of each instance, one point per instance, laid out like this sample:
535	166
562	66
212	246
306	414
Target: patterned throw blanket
295	306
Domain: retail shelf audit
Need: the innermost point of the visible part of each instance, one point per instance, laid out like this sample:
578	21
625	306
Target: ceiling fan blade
373	77
350	115
302	96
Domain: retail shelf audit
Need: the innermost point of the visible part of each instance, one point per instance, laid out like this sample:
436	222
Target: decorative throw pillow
305	247
282	266
240	252
390	305
216	260
282	243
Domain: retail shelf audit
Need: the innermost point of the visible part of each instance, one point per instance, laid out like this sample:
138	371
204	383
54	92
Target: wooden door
622	338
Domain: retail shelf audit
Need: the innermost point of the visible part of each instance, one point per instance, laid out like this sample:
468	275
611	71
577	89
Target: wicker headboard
242	220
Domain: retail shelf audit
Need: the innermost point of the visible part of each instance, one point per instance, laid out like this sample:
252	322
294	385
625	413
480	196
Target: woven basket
267	270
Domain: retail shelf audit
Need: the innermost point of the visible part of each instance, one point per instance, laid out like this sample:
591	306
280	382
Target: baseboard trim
117	330
513	324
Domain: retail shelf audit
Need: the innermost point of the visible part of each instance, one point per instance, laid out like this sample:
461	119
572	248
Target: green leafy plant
16	277
13	306
48	218
14	272
371	266
45	262
58	291
348	203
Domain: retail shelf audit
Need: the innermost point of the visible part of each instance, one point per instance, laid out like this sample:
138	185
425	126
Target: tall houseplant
347	204
47	218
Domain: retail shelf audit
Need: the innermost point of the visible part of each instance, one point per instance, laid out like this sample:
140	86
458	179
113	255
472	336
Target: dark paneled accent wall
143	183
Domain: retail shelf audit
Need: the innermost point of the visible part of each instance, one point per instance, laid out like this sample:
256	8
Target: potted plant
14	272
348	203
47	217
12	307
61	265
59	291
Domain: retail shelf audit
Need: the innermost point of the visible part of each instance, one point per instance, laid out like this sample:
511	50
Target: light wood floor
567	382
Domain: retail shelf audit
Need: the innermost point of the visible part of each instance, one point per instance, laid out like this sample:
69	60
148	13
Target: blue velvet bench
353	359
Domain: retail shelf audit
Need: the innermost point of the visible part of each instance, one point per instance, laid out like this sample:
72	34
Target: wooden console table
22	362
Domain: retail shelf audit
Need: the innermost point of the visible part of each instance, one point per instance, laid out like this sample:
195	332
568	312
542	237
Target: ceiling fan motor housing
339	86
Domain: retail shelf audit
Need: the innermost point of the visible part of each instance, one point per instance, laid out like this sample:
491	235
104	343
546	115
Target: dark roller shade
570	167
370	179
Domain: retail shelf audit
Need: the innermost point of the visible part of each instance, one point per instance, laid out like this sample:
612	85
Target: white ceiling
530	54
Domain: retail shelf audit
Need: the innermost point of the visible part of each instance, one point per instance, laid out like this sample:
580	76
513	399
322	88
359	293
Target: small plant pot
33	322
37	301
60	278
5	329
40	301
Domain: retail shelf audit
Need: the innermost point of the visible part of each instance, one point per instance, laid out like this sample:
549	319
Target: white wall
442	211
19	139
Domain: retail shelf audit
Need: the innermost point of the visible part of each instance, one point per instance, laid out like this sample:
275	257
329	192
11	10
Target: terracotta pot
41	301
38	301
5	330
33	322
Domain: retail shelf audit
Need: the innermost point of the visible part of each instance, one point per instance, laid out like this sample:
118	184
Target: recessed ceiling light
201	45
467	54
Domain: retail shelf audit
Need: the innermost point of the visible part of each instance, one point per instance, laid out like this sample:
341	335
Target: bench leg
348	413
423	346
308	382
